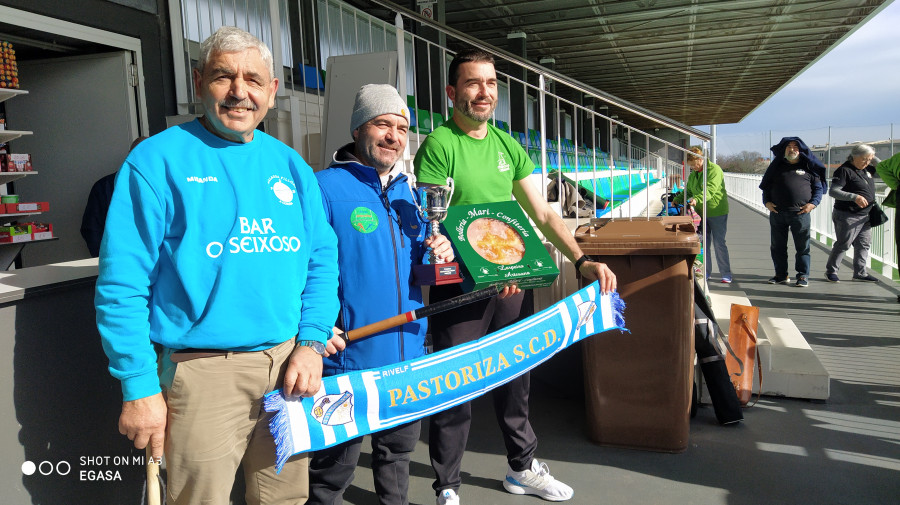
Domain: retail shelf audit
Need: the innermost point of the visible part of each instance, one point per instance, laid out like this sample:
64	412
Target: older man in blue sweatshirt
792	187
217	266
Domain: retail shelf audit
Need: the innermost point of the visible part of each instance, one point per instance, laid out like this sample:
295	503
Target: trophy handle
419	195
450	183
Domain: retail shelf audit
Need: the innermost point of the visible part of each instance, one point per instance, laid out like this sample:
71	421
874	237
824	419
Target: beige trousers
217	422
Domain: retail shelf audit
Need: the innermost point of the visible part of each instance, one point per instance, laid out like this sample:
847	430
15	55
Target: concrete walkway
842	451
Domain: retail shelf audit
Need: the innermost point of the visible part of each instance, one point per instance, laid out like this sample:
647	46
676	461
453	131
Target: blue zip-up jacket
211	244
808	161
379	237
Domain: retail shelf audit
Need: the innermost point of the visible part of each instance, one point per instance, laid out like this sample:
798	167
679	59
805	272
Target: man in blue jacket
218	257
370	205
792	187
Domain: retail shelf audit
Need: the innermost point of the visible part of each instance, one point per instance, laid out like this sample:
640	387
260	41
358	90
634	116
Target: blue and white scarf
358	403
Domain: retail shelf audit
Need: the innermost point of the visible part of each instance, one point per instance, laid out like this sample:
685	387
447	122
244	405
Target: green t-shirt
483	170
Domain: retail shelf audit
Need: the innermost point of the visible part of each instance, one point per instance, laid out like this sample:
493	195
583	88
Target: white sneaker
448	497
537	481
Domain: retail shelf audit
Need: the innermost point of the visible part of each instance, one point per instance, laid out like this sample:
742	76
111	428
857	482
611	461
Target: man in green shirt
487	165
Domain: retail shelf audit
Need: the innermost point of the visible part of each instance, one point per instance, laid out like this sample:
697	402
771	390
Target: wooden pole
153	495
428	310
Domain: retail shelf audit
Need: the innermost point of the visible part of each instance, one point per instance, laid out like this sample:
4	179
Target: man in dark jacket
369	203
792	187
93	221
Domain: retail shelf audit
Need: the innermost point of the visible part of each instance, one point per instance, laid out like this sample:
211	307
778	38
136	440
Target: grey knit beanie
373	100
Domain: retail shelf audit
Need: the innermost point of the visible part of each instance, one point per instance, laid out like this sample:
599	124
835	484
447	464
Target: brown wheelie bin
638	384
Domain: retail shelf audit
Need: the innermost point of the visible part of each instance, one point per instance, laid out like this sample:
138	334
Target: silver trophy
434	201
433	208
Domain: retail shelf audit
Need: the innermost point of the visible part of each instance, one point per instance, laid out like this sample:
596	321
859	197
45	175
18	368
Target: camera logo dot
47	468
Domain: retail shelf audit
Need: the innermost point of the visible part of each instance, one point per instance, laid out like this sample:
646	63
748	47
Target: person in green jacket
889	170
716	202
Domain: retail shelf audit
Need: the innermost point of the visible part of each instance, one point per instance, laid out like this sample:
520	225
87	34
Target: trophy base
435	275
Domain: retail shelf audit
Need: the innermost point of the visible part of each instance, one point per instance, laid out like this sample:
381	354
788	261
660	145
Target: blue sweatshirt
211	244
379	239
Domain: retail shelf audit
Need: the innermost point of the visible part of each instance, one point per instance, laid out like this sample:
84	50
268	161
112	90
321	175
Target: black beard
467	111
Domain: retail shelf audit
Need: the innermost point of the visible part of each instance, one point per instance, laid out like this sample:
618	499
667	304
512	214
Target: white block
790	366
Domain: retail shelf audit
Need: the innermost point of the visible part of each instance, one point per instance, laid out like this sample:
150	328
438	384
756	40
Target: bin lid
665	235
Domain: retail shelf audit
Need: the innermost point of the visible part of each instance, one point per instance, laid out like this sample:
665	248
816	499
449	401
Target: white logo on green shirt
502	165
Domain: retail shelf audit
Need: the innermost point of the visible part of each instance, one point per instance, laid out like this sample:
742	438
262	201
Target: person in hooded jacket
369	203
792	187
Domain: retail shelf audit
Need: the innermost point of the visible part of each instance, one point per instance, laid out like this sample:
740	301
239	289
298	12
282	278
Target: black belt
192	353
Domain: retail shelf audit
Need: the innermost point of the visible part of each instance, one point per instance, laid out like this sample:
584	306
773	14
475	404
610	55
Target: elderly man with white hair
217	285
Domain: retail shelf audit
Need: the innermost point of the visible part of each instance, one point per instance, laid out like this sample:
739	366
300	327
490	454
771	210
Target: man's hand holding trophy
434	201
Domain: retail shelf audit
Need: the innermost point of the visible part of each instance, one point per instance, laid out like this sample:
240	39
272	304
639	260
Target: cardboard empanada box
496	244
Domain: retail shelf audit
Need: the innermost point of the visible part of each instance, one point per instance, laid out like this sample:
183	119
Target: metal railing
304	33
745	188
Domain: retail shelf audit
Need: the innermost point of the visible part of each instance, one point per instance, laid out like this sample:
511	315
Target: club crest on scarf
334	410
585	312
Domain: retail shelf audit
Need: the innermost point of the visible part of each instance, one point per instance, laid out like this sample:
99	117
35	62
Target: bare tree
745	162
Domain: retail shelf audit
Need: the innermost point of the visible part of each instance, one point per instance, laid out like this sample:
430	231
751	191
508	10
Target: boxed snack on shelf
15	233
13	208
15	162
40	231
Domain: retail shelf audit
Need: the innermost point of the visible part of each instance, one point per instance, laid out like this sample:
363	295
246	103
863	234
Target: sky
855	89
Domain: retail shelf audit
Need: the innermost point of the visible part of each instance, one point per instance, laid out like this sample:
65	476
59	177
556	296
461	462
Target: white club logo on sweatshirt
283	188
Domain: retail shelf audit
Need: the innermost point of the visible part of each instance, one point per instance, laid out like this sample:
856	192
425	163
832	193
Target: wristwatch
580	261
315	345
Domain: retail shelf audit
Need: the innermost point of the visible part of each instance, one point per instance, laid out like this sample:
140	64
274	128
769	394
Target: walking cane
428	310
153	495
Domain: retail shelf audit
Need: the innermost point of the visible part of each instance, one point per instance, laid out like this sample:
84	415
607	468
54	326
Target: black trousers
449	430
331	470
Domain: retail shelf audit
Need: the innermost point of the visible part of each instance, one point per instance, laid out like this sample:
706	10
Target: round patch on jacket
364	220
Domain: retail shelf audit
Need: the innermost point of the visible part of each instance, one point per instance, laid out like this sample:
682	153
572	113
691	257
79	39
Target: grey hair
860	150
229	39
